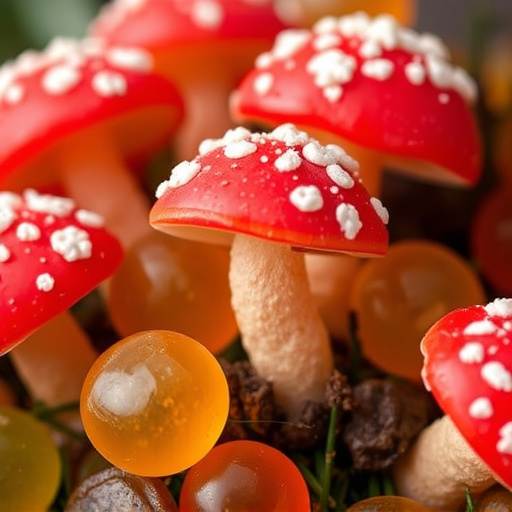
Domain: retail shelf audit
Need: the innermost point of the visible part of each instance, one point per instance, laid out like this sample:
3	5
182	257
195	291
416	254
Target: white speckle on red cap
481	408
333	93
472	352
317	154
7	217
60	79
326	41
130	58
288	161
381	210
207	14
239	149
71	243
331	67
348	219
5	254
289	134
307	198
180	175
415	72
499	307
480	327
379	69
340	176
505	443
27	232
46	203
109	83
497	376
90	219
14	93
45	282
263	83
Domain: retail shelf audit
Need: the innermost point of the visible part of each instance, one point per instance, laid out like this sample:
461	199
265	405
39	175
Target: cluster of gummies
137	379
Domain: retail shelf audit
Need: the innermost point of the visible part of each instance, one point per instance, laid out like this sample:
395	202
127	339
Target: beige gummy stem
281	329
96	177
439	467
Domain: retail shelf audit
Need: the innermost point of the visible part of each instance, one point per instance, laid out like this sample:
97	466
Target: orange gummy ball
173	284
398	297
491	238
154	403
243	476
388	504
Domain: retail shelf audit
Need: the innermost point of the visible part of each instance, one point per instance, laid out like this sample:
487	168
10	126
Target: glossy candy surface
168	283
398	297
29	461
114	489
244	476
388	504
154	403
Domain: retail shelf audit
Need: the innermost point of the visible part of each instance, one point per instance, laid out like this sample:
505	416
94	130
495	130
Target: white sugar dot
497	376
71	243
5	254
7	217
307	198
332	93
472	352
130	58
348	219
60	79
480	327
378	69
505	443
415	73
381	210
90	219
481	408
263	83
46	203
208	14
14	94
109	83
122	393
28	232
239	149
181	174
499	307
45	282
340	176
288	161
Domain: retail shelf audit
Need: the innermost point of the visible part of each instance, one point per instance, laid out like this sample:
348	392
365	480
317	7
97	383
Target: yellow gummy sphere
30	465
154	403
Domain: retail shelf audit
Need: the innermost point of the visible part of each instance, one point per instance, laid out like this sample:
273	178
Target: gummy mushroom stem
54	360
280	325
94	174
439	467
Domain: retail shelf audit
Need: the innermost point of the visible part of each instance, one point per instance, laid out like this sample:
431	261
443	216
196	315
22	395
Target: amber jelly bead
168	283
154	403
398	297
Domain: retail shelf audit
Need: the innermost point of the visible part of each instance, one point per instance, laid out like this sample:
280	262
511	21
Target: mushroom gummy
272	196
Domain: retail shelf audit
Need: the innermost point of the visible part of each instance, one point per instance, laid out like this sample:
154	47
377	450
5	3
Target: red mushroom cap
375	84
156	24
74	86
282	186
51	255
468	368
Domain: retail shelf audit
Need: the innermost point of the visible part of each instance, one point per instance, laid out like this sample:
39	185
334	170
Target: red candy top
282	186
73	86
468	368
375	84
160	23
51	255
